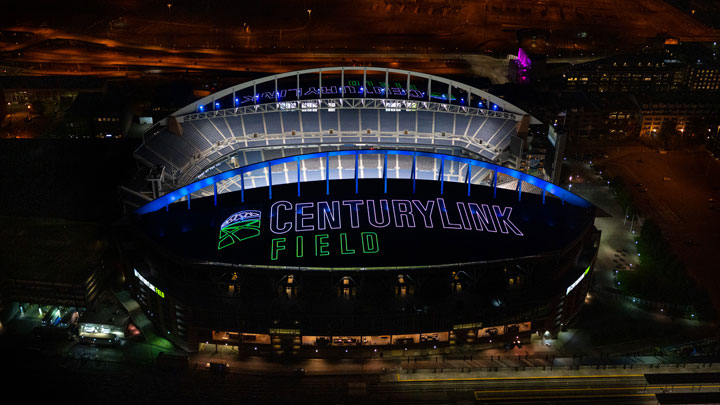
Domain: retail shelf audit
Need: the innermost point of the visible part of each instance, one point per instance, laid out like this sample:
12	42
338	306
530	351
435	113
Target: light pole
626	214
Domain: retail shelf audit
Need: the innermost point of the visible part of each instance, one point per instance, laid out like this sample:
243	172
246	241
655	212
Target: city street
275	37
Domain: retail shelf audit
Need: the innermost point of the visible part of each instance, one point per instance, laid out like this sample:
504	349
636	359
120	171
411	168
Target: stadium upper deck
328	109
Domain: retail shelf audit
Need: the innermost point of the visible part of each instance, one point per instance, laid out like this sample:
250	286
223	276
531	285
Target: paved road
600	388
136	36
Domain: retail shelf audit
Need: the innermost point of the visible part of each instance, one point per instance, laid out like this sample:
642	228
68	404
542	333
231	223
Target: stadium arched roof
325	109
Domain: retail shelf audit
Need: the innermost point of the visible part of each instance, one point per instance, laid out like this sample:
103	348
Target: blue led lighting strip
181	192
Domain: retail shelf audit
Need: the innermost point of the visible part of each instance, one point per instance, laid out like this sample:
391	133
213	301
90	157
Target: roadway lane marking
519	378
565	397
594	389
666	212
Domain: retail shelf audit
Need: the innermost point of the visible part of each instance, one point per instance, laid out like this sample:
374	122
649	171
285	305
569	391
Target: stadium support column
242	186
174	126
519	189
215	193
495	176
188	200
560	138
385	173
429	88
342	82
544	197
357	155
442	174
298	174
468	176
407	89
364	85
387	78
523	135
269	168
327	174
412	172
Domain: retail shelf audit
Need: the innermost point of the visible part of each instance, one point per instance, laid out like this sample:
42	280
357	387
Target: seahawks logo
238	227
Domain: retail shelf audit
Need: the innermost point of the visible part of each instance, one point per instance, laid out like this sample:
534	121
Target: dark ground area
71	179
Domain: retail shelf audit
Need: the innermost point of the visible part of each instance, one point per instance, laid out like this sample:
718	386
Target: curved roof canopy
328	108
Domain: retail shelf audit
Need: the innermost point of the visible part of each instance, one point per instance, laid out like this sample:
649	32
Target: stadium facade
344	207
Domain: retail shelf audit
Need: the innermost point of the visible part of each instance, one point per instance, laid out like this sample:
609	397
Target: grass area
661	275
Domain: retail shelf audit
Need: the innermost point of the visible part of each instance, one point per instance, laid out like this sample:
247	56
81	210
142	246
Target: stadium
348	207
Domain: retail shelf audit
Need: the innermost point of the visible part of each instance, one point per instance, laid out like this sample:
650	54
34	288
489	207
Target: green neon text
370	242
327	245
276	245
321	244
298	246
344	245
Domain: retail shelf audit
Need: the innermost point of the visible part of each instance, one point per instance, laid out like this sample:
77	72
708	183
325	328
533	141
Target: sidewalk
548	372
447	366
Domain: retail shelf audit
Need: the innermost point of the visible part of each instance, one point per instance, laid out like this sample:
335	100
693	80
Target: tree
623	195
667	133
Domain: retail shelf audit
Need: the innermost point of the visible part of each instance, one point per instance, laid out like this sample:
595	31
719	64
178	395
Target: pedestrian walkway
136	313
453	365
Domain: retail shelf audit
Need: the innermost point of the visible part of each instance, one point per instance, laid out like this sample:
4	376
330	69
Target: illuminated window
288	287
347	288
456	283
515	282
404	286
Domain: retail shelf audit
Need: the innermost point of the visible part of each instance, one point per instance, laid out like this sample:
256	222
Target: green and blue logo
238	227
